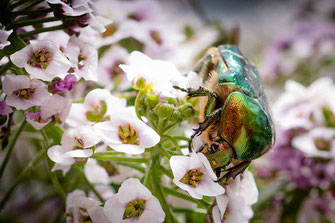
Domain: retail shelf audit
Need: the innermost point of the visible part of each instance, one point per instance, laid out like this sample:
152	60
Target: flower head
126	133
194	174
76	147
134	203
23	93
235	205
160	76
42	59
80	208
98	106
84	58
70	7
60	86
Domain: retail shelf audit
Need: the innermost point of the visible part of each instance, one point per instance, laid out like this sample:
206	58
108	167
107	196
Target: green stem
39	21
172	192
10	149
32	12
134	166
174	141
26	171
82	174
5	67
109	153
156	183
42	30
55	182
31	5
163	151
16	4
166	172
121	159
137	104
147	176
53	177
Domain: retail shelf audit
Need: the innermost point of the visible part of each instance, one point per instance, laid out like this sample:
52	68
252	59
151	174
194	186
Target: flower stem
11	147
25	171
174	141
163	151
31	4
120	159
42	30
5	67
147	177
32	12
137	104
39	21
82	174
134	166
172	192
16	4
53	177
156	183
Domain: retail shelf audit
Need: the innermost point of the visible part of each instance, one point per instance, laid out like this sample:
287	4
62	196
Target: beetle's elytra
236	124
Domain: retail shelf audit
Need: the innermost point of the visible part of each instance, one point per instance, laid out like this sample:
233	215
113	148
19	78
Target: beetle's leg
235	170
201	91
209	119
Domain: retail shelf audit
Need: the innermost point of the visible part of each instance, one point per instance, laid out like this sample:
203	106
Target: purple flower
61	86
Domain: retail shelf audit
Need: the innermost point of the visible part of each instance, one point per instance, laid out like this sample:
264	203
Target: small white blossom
84	58
126	133
80	208
134	203
76	146
159	75
98	106
42	59
194	174
298	107
3	38
235	205
318	142
23	93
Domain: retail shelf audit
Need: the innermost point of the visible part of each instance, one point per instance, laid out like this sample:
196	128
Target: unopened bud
186	110
176	116
140	83
151	100
164	110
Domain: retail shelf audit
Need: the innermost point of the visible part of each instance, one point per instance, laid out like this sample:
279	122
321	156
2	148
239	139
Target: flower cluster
304	153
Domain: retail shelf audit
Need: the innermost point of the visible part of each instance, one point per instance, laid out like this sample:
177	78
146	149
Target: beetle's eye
215	145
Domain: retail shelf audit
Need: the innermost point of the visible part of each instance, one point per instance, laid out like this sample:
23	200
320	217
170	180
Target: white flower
195	175
134	203
3	38
80	208
159	75
84	58
42	60
318	142
72	8
298	104
110	74
23	93
76	146
235	205
98	106
126	133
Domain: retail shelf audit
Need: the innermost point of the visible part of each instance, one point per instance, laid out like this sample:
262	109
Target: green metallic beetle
236	124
